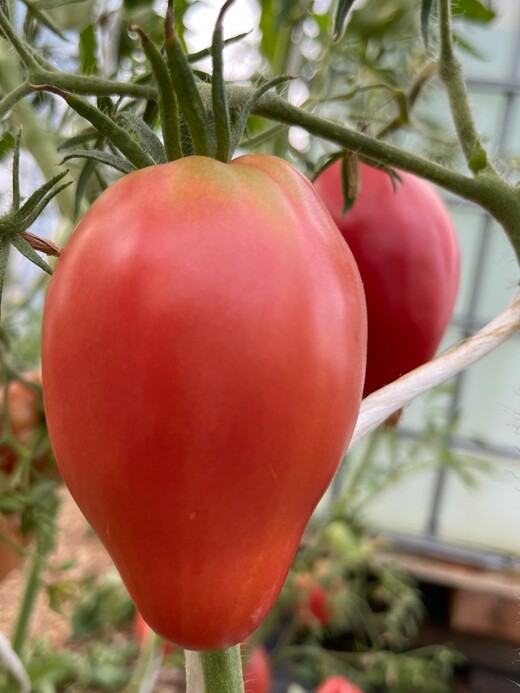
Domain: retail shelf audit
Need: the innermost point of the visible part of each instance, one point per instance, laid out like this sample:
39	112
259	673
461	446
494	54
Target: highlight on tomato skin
338	684
407	252
207	384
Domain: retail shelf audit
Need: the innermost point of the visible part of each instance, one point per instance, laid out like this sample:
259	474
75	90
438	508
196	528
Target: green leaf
101	157
88	51
23	247
340	19
6	144
474	10
148	139
426	6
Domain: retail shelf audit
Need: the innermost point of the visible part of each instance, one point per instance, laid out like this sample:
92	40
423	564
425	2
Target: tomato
143	631
338	684
25	412
257	672
203	352
12	543
311	604
408	256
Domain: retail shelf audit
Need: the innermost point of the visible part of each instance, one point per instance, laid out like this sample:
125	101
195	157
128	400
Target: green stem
216	671
32	588
17	43
451	74
91	85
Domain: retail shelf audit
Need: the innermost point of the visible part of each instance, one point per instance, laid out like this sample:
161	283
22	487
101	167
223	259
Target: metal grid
466	322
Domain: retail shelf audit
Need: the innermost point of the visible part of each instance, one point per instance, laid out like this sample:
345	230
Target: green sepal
28	251
185	87
101	157
244	114
38	200
146	136
349	179
168	108
218	90
109	129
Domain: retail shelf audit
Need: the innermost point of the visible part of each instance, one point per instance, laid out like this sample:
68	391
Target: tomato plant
338	684
407	252
204	391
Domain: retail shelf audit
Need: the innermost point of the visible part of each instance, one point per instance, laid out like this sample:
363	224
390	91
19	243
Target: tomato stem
451	74
216	671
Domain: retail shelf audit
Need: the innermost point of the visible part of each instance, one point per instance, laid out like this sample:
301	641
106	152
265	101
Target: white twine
378	406
14	664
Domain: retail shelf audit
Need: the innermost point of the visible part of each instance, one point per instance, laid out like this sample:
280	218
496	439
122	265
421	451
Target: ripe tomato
311	601
408	256
204	342
25	412
257	672
338	684
143	631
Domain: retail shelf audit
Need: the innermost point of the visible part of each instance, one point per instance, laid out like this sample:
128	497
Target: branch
378	406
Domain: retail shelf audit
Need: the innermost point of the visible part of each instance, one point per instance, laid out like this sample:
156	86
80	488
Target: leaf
6	144
426	6
23	247
147	138
88	50
340	18
473	10
101	157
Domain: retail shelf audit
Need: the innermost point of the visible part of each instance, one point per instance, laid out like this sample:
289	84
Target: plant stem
215	671
451	74
32	587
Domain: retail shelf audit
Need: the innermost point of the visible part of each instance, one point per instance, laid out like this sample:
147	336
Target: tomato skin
203	351
338	684
143	631
407	252
257	672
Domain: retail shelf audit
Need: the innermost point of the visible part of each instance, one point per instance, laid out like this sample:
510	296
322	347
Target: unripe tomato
203	353
257	672
338	684
407	252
